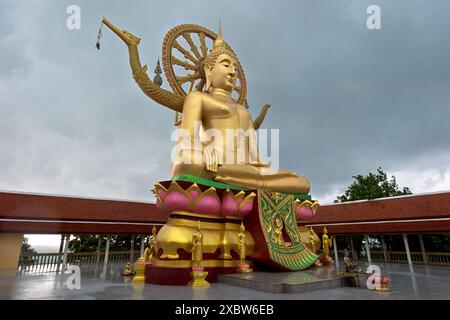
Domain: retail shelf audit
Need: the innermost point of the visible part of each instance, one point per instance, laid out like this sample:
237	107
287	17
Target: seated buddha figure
230	153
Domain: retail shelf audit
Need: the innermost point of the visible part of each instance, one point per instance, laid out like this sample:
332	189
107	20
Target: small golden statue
326	246
198	274
241	244
150	251
278	225
244	267
197	247
312	240
127	272
149	254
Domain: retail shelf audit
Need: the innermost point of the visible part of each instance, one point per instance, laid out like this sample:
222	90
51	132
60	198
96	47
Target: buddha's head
220	66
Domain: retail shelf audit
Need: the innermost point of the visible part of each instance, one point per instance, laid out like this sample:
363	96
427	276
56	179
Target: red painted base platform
181	276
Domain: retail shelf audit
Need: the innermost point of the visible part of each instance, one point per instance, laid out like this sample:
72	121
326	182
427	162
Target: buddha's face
223	74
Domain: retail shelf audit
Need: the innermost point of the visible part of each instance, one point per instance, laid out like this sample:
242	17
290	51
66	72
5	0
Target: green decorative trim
302	196
206	182
220	185
274	206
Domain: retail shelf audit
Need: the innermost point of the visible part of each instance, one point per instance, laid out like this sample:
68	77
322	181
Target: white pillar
408	253
142	245
99	248
352	247
336	256
66	250
369	258
422	248
133	237
383	245
105	262
61	247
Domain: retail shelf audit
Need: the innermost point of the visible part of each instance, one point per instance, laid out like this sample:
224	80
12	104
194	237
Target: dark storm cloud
347	99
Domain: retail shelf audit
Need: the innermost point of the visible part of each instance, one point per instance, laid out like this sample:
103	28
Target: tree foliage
26	247
372	186
89	243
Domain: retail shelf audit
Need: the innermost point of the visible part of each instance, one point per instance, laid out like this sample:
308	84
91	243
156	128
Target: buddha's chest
219	114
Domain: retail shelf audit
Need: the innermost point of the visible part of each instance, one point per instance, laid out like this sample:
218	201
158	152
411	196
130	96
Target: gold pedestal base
244	270
198	279
383	288
139	268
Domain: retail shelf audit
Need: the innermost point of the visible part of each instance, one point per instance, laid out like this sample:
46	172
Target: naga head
127	37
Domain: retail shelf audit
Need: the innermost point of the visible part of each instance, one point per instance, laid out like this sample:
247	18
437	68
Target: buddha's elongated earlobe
208	79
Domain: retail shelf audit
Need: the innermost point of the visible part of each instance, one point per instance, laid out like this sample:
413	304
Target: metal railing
432	258
52	262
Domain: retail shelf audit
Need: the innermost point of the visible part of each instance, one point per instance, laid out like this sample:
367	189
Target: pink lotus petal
246	208
175	200
229	206
161	193
304	213
208	204
193	194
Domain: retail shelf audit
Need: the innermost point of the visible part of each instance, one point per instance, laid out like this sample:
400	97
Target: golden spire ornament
157	79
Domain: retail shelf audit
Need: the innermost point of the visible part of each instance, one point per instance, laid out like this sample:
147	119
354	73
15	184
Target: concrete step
317	278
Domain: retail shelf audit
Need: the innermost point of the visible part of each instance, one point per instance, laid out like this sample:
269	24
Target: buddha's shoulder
197	95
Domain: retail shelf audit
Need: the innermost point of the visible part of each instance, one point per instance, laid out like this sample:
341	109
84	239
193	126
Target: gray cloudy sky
346	99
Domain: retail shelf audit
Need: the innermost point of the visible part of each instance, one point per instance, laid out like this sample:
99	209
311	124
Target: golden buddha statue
241	244
326	242
128	271
215	109
150	251
278	226
197	247
232	160
312	240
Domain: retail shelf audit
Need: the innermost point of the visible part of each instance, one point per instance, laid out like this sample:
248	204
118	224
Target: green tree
372	186
89	243
26	249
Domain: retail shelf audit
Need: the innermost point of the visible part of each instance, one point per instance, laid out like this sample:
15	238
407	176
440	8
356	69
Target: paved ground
424	283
